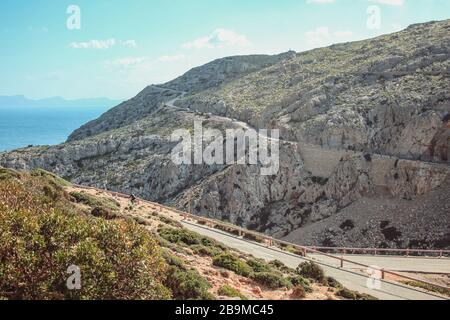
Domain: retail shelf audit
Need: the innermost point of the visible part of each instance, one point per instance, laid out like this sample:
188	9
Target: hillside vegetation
131	252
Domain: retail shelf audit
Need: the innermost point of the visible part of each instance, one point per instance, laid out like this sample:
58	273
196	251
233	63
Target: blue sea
24	126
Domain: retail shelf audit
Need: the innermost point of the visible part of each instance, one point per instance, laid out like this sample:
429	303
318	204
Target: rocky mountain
363	120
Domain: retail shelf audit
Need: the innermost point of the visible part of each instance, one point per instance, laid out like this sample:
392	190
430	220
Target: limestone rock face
362	123
141	106
387	95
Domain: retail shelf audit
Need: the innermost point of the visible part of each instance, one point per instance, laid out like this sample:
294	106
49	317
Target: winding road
349	276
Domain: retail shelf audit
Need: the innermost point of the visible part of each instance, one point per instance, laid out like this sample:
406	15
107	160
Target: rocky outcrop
384	222
224	70
151	98
387	95
295	197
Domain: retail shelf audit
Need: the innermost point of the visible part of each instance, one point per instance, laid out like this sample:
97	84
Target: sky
115	48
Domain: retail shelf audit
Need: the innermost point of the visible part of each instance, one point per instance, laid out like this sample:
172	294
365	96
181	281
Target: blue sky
124	45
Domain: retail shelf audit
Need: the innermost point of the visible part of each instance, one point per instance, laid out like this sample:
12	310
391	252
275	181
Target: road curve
351	279
393	263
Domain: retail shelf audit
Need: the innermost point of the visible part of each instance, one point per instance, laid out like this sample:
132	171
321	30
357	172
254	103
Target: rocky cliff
364	120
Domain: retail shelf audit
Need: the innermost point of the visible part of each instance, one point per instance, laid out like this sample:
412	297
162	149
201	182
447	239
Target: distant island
22	101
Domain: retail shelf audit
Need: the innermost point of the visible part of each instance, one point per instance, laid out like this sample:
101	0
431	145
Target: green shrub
353	295
187	284
258	265
6	174
233	263
299	281
170	222
106	204
427	287
271	280
208	242
298	293
311	270
50	177
228	291
294	250
230	230
105	214
206	251
333	283
346	294
118	260
180	235
173	260
199	244
277	264
253	237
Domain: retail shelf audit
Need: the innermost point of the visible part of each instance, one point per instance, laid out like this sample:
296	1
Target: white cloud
218	39
129	43
126	62
102	44
389	2
144	63
322	36
94	44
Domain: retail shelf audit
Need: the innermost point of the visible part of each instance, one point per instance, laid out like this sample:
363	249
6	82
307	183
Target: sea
36	126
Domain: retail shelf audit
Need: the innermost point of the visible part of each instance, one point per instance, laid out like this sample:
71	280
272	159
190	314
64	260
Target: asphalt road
393	263
352	279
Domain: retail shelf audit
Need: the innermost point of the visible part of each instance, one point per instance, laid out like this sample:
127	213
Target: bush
198	243
333	283
118	260
187	284
298	293
253	237
347	225
50	177
104	213
6	174
346	294
173	260
277	264
427	287
228	291
311	270
271	280
299	281
294	250
206	251
353	295
231	262
170	222
258	265
106	204
179	235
